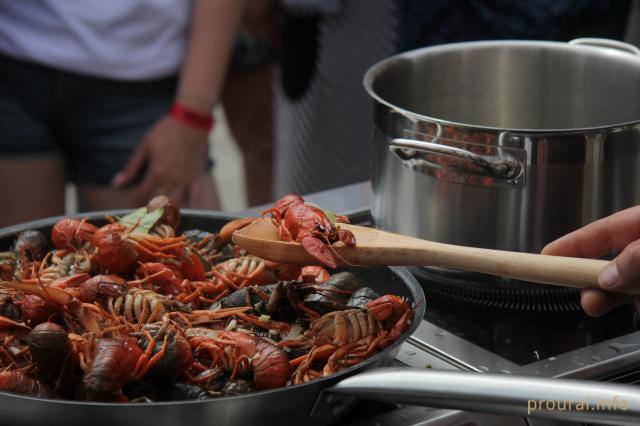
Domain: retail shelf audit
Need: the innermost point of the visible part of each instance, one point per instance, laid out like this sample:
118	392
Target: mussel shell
180	392
328	300
178	356
361	297
239	297
238	387
141	392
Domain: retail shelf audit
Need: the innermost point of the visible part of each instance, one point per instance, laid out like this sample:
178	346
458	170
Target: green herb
331	216
141	220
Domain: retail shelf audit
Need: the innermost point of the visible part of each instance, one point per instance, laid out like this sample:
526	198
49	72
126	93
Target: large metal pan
324	401
291	405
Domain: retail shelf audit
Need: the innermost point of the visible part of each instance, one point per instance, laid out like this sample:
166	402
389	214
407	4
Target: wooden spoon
380	248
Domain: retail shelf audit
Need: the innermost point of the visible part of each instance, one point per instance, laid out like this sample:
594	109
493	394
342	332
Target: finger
603	236
623	272
597	302
133	167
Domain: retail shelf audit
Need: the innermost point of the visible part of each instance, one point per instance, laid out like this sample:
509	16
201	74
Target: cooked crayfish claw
346	237
8	323
318	249
53	294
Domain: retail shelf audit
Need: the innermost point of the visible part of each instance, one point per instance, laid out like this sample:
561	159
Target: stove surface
454	337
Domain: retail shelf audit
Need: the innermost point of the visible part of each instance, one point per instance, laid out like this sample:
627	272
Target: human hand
619	232
175	156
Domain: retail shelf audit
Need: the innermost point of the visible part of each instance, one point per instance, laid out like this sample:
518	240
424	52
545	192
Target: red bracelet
195	119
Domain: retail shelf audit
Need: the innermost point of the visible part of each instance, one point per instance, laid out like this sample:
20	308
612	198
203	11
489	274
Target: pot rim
380	67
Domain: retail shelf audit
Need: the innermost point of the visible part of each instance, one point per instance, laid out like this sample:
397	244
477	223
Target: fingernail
609	276
118	179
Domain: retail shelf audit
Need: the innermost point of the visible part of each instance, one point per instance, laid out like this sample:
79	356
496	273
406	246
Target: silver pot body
505	144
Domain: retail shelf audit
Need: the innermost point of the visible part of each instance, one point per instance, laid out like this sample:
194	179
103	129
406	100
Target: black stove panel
527	337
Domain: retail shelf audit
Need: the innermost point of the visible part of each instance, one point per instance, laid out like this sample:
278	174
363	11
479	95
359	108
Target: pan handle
561	399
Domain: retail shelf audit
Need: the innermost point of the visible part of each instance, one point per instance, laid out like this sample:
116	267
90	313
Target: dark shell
214	250
178	356
194	236
332	294
239	297
8	309
32	243
180	392
237	387
49	346
141	392
361	297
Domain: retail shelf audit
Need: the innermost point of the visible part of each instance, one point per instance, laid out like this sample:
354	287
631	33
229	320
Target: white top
119	39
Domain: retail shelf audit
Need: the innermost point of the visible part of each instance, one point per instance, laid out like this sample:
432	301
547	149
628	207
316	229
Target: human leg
31	165
31	188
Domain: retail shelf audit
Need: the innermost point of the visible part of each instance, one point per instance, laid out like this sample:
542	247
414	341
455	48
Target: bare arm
175	152
213	33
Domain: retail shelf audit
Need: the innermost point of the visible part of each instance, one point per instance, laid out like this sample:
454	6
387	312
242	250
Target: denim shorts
95	123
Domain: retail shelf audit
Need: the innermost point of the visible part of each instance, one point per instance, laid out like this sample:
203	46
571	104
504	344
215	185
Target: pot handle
606	43
412	152
561	399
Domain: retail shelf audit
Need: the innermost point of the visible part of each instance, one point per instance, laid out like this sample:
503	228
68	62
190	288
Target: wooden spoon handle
383	248
565	271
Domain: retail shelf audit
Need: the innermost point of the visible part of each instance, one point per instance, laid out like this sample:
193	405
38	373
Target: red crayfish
113	363
15	381
345	338
72	234
310	226
119	249
244	353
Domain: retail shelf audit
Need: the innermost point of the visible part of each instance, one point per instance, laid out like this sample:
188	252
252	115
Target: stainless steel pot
505	144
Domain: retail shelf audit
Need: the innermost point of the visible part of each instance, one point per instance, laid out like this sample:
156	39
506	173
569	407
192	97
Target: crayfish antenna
345	261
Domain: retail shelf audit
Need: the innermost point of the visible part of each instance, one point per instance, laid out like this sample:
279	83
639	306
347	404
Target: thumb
622	273
133	167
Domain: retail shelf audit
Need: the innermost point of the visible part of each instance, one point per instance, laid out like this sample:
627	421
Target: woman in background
115	96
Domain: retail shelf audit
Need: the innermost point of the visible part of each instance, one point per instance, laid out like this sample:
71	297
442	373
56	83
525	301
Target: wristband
191	118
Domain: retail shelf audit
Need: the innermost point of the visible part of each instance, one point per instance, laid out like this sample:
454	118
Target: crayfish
111	363
345	338
119	249
310	226
135	311
245	354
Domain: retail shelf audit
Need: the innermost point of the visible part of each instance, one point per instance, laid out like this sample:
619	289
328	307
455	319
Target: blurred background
283	78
